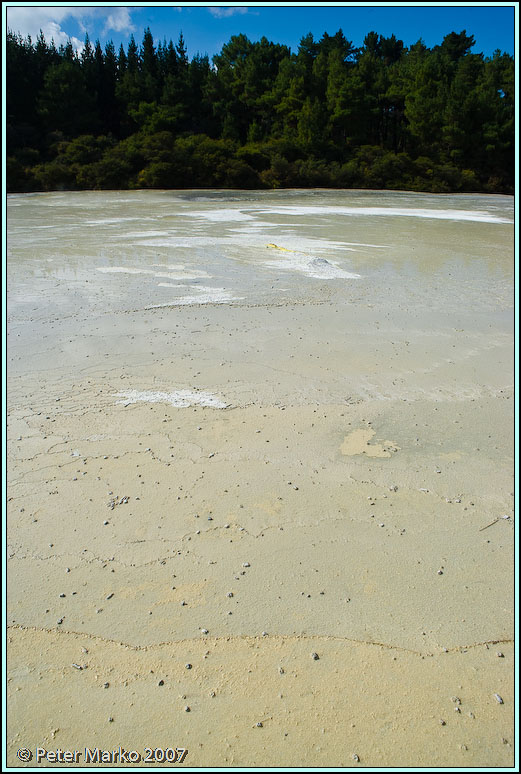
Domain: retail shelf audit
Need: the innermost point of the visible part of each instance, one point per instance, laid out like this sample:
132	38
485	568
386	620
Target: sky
207	28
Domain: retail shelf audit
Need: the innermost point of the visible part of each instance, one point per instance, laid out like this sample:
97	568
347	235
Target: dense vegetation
259	116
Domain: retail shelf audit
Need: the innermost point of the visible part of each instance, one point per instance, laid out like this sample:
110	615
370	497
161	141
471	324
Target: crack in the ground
266	637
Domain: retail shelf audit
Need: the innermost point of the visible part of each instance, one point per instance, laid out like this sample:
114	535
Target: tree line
259	116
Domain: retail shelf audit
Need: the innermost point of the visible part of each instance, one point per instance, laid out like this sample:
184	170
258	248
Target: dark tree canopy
259	116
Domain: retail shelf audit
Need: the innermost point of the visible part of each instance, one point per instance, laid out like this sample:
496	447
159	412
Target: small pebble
109	596
161	682
442	723
204	631
230	594
258	725
111	720
315	656
498	698
498	654
188	666
106	685
246	564
62	595
187	708
355	757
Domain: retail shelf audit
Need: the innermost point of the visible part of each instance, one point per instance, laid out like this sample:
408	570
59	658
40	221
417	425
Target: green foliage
382	116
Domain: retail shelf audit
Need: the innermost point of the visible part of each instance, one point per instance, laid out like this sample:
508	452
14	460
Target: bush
54	176
19	177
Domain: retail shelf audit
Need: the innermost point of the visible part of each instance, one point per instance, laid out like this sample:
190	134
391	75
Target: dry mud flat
274	534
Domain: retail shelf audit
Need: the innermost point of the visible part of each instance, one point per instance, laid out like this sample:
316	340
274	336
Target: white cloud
53	31
27	18
221	12
119	20
53	21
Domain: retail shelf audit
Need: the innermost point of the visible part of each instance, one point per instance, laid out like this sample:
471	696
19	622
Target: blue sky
207	28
